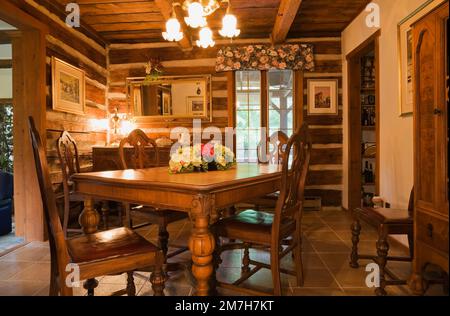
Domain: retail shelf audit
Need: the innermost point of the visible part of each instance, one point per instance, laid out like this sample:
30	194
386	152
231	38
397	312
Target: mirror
170	97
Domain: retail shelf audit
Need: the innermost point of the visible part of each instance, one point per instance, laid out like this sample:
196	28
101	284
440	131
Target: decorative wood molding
166	10
286	14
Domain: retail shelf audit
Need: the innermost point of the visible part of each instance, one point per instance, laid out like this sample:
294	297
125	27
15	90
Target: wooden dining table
203	195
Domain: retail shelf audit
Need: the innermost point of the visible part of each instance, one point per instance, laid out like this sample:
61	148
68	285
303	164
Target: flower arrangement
201	157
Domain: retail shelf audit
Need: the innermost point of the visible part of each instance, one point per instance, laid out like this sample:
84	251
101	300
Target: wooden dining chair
108	252
146	155
275	154
255	229
388	222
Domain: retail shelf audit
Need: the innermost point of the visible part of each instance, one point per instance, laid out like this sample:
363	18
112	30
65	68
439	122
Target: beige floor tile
349	277
330	246
365	235
10	268
20	288
32	254
314	278
326	291
323	234
169	290
36	272
121	279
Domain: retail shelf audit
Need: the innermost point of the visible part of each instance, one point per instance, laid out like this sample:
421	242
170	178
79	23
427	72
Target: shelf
368	157
368	184
368	89
368	128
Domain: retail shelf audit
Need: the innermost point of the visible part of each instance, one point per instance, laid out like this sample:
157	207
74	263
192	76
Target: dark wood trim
264	100
5	101
354	118
5	63
298	99
287	12
231	91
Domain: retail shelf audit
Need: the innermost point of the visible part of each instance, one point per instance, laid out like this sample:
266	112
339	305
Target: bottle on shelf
371	174
366	173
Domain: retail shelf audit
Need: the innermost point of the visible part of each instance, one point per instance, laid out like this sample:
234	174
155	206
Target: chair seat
385	215
252	226
115	243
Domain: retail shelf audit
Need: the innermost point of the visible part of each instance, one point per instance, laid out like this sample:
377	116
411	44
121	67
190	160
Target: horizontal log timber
328	197
324	177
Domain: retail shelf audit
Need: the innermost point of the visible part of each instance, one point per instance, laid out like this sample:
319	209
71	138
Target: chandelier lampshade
196	17
173	32
229	26
206	39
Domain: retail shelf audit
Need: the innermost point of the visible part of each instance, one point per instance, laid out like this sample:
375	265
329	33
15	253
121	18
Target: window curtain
261	57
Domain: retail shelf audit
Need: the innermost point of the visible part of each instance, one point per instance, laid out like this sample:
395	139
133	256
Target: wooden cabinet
107	158
430	145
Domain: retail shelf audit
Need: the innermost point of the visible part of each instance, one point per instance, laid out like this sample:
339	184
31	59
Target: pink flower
250	49
264	59
237	65
229	54
282	65
220	59
275	63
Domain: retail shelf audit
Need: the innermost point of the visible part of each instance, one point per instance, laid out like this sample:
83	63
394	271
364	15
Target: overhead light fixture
197	12
173	28
195	18
229	26
206	39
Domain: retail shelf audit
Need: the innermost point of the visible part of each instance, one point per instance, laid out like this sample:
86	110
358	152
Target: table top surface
202	181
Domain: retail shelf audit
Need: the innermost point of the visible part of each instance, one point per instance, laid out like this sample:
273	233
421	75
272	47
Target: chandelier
197	11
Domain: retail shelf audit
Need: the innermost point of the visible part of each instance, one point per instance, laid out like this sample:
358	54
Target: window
277	85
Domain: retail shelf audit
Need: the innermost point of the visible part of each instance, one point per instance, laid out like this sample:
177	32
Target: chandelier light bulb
206	39
173	30
196	17
229	26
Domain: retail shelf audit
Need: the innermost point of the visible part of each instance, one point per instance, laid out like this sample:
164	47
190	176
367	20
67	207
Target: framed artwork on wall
405	40
322	97
196	105
68	87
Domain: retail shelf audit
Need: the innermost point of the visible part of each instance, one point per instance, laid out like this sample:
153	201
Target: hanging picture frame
68	87
322	97
405	55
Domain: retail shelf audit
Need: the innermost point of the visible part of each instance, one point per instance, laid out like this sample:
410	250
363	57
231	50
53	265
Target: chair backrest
58	247
294	171
276	149
67	150
142	156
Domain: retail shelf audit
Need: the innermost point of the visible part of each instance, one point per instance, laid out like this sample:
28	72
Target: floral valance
262	57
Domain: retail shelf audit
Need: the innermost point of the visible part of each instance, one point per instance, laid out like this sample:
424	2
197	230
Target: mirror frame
130	81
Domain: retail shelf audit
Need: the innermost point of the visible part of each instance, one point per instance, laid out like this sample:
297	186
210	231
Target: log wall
325	178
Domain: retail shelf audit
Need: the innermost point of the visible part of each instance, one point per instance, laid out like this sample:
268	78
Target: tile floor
9	242
25	271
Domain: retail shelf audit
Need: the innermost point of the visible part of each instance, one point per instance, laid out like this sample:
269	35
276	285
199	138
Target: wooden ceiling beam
287	12
166	7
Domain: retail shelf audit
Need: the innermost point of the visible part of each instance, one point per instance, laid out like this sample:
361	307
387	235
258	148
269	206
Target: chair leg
105	214
275	266
299	262
382	253
157	280
246	260
411	243
163	240
90	285
53	278
356	230
131	288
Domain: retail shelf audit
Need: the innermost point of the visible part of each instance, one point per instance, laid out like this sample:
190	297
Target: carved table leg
105	214
201	243
356	230
89	220
382	252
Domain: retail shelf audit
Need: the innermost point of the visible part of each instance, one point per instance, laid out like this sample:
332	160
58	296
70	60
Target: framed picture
68	84
322	97
405	47
196	105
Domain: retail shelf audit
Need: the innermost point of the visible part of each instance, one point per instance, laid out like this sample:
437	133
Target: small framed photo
196	105
322	97
166	103
68	84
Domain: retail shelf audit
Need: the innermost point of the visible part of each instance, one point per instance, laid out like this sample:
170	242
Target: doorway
28	99
363	123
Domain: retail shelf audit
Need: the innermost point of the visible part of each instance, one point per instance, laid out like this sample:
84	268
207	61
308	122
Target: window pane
281	101
248	115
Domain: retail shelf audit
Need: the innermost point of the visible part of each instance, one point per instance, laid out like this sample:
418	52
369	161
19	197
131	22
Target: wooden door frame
29	99
354	118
